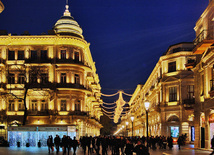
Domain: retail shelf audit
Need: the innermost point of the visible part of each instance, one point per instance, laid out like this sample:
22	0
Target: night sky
127	36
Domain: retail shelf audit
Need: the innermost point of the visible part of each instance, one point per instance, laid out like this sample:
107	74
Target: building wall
71	81
156	91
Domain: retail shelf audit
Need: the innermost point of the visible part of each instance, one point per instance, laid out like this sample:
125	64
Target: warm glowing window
77	106
190	89
44	105
63	105
76	54
34	105
21	105
11	55
172	94
11	105
63	54
11	78
172	67
21	55
21	79
63	77
77	78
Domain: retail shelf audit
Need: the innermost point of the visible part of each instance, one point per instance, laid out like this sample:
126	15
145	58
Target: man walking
57	143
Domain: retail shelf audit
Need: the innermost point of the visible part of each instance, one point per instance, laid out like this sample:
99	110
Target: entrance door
202	137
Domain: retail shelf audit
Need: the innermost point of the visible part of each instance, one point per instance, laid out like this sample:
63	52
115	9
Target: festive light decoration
118	108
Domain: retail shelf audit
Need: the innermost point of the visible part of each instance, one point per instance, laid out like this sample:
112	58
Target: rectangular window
21	105
34	105
44	78
44	54
33	78
44	106
190	89
11	105
172	67
11	55
63	77
21	79
21	55
172	94
202	85
77	78
63	105
33	55
77	106
76	56
63	54
11	79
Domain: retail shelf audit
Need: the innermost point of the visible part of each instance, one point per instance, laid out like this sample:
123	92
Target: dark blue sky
127	36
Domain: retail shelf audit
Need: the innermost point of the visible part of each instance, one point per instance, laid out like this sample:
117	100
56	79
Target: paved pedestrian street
187	150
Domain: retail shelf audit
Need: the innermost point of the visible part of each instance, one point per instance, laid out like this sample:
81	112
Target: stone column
207	130
197	143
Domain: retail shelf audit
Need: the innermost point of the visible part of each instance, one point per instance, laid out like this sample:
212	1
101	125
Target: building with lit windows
204	78
170	91
56	77
1	7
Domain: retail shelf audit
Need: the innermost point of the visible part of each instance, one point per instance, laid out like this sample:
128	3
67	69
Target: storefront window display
174	131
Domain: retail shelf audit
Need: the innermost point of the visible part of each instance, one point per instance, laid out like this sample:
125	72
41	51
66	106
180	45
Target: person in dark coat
74	145
50	143
57	143
140	149
170	142
179	142
64	144
129	147
212	145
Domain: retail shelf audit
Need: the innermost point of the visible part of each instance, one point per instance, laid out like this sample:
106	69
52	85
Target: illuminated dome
66	25
1	6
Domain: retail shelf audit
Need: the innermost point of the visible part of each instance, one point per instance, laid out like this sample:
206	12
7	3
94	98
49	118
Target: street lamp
126	128
123	130
147	105
132	119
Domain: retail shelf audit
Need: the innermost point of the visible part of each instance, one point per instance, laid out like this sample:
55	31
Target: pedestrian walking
57	143
140	149
179	142
74	145
212	145
129	147
64	144
50	143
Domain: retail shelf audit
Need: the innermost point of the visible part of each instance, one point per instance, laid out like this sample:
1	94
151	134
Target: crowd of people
113	144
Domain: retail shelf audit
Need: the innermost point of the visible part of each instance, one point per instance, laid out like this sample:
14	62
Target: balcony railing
189	103
39	61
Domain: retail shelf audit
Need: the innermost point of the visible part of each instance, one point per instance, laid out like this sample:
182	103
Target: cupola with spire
66	25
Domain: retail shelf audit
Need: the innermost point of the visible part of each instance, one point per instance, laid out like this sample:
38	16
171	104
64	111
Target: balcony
39	61
79	113
40	85
204	40
38	113
68	61
189	103
70	85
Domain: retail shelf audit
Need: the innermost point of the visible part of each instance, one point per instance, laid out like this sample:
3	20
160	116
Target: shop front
211	120
32	135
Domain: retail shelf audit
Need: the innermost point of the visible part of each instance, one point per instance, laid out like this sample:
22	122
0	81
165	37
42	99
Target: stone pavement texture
187	150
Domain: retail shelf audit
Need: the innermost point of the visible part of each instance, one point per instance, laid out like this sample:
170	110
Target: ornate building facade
52	80
204	78
170	91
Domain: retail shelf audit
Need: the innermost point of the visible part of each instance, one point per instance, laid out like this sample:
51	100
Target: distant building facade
170	91
57	75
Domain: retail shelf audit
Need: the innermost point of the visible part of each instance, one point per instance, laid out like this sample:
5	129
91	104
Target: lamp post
132	119
147	105
126	129
123	130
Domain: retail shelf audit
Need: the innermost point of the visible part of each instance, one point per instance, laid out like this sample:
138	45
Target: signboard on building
52	128
16	128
